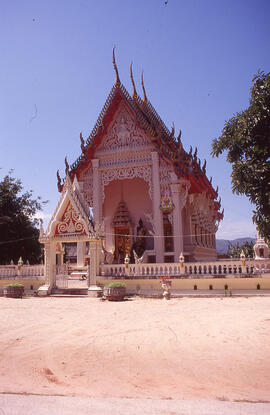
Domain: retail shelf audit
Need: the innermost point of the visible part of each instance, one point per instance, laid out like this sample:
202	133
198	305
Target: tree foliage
246	137
246	247
18	232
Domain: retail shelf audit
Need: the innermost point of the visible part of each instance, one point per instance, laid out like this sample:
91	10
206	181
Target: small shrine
261	249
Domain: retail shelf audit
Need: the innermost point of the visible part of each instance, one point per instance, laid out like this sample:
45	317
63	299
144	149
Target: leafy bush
116	285
15	284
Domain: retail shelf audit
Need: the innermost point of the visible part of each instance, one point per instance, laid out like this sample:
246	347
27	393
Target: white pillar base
44	290
94	291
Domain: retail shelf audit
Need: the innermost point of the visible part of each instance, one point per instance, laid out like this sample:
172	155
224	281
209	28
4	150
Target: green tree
246	247
246	137
18	231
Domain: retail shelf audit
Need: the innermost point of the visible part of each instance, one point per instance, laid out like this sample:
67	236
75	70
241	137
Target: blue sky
198	58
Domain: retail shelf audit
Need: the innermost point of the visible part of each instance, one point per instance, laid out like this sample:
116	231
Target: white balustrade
200	269
26	271
226	267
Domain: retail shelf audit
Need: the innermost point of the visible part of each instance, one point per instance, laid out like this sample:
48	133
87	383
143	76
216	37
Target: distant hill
223	244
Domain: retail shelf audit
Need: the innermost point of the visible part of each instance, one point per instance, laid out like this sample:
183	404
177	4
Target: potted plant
115	291
14	290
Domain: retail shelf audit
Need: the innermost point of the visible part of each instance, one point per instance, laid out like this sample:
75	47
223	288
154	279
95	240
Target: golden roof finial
134	92
144	93
58	179
67	165
117	80
82	142
204	166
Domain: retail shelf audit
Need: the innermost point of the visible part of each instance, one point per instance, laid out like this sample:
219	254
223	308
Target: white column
94	249
157	214
80	253
50	268
50	264
47	263
177	222
179	196
96	192
93	262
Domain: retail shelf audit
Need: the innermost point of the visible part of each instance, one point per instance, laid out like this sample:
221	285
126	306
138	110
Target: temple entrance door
122	243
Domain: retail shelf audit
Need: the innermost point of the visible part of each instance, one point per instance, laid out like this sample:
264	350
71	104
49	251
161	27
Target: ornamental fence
199	269
24	272
219	268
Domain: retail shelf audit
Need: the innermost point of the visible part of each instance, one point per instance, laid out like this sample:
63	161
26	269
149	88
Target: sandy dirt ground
189	348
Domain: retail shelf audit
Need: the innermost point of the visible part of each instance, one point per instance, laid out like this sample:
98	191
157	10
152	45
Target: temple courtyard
144	351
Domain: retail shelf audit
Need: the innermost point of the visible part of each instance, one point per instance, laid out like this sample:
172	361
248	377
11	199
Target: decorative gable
70	217
124	134
70	223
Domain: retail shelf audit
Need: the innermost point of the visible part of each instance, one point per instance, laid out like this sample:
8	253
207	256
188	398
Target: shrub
116	285
15	284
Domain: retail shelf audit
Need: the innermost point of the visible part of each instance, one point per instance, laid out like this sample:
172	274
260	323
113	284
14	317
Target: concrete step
70	291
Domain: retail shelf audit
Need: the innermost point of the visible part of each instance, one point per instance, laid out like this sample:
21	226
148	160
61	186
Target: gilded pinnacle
67	165
144	93
117	80
134	92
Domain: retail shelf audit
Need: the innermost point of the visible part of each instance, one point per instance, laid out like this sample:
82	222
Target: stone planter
114	293
13	291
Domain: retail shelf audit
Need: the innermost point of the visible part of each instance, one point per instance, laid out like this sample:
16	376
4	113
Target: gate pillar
80	253
50	268
93	268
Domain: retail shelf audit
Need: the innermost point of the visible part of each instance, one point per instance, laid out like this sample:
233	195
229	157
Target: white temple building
135	182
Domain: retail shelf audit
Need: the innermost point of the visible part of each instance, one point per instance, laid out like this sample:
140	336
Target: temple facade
150	199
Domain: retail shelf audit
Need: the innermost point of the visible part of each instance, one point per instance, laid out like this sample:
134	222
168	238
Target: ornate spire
134	92
179	136
117	80
67	165
204	166
82	142
58	180
143	88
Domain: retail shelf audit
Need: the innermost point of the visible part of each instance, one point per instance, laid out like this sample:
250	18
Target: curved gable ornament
70	223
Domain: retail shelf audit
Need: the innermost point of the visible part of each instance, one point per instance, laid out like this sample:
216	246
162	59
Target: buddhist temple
134	179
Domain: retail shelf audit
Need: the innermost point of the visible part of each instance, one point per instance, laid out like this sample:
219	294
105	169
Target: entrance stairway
70	292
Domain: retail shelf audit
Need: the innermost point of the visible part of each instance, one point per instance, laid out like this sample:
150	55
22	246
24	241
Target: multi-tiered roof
186	165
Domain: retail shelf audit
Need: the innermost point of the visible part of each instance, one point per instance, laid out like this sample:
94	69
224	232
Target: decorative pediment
124	133
70	223
70	216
